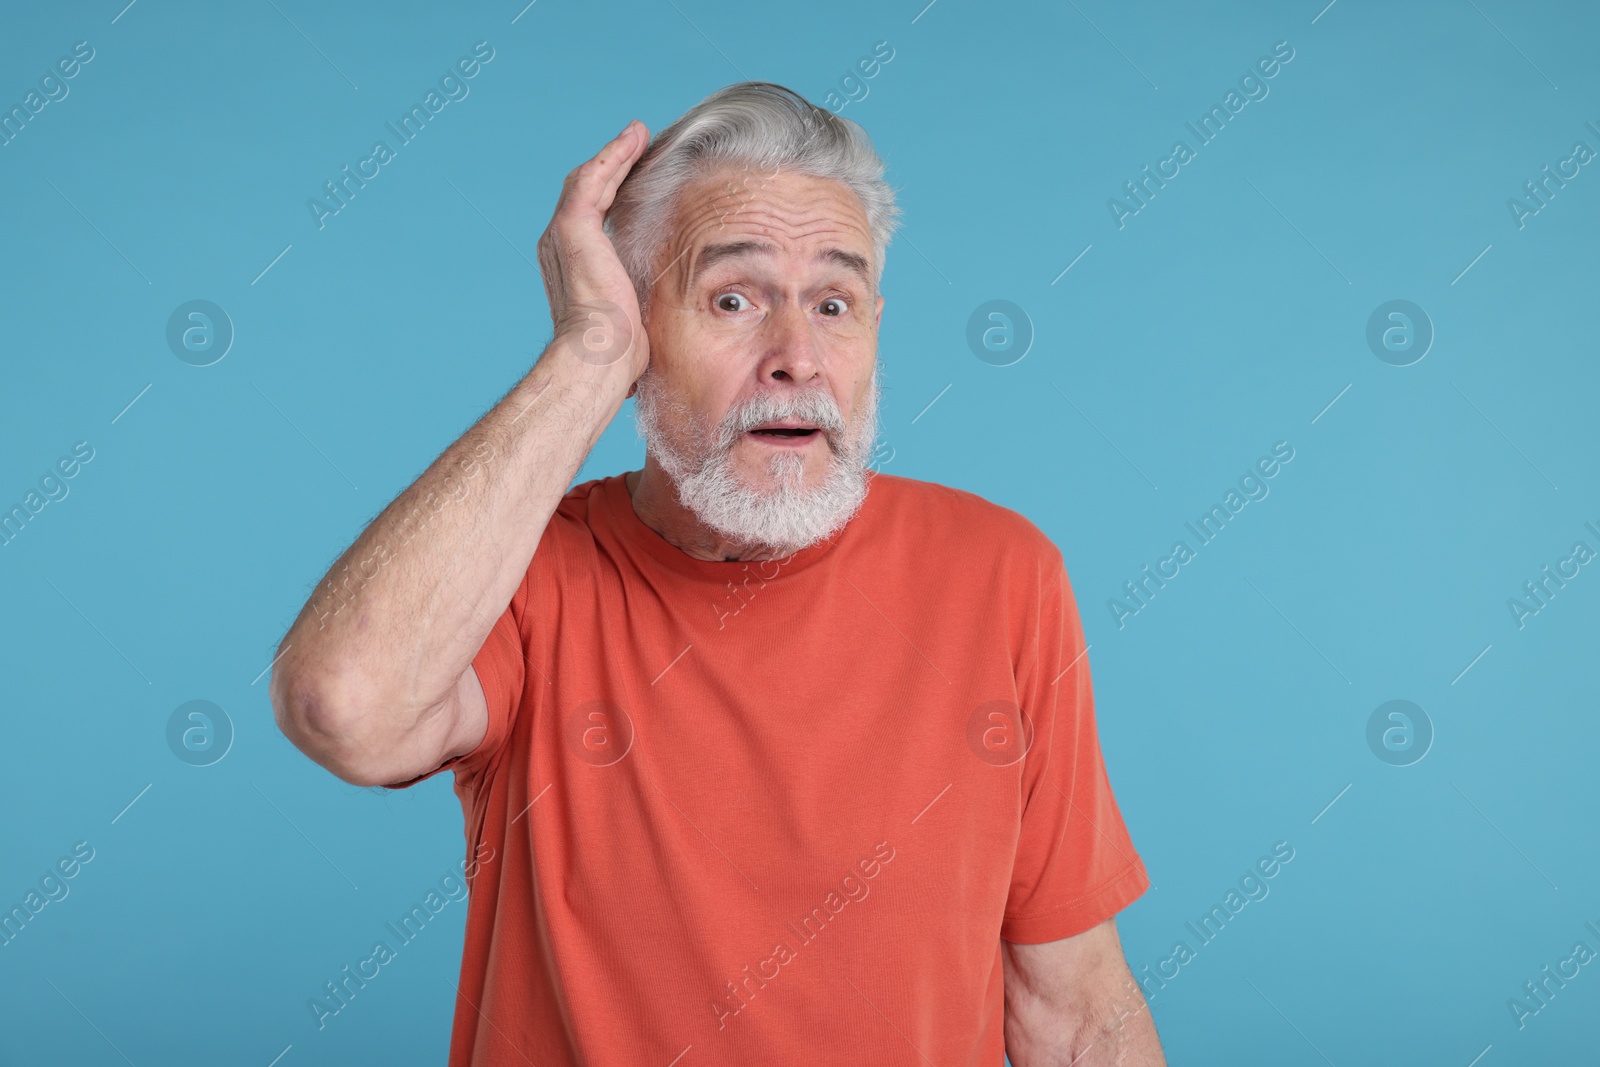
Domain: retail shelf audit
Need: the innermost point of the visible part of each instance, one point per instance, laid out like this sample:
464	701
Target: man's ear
877	322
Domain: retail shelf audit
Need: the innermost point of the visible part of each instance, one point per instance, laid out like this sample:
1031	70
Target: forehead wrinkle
853	262
794	223
794	219
790	211
794	229
794	213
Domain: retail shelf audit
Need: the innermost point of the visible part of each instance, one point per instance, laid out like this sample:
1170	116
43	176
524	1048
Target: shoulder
582	509
969	523
568	545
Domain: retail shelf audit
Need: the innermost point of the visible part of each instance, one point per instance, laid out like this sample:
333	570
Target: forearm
1101	1022
397	620
1130	1042
1122	1033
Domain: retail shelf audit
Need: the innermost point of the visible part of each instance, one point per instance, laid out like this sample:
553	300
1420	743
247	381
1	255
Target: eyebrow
717	251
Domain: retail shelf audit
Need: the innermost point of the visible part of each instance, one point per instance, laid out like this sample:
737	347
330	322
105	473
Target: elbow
323	726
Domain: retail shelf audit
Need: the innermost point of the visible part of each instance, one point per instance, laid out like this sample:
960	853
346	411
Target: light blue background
1222	318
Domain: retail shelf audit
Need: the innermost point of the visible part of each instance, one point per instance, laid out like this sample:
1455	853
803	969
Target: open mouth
786	431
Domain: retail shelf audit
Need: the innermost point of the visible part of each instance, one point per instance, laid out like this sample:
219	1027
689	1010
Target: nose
790	348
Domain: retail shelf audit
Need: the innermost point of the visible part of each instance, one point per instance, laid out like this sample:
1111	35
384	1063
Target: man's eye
732	302
833	306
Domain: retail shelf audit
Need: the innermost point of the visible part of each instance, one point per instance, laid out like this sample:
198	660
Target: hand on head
593	305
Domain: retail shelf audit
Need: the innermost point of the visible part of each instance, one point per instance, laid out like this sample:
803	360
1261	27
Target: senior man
764	758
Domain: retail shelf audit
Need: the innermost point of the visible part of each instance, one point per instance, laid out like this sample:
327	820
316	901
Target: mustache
815	407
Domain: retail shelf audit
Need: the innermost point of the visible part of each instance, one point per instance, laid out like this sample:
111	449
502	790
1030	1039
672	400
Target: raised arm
374	679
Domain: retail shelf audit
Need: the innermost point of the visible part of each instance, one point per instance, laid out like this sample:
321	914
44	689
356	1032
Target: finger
585	184
608	192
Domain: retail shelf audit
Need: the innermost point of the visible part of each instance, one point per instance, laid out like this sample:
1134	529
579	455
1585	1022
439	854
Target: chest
772	739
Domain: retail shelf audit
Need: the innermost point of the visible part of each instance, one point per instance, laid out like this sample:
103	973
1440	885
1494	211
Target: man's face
764	312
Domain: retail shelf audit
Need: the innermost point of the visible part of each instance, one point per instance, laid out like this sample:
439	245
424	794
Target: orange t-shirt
783	811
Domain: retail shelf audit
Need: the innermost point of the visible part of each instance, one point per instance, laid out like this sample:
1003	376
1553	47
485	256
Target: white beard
786	518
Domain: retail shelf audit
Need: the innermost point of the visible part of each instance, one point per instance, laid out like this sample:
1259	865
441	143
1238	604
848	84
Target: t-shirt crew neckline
618	503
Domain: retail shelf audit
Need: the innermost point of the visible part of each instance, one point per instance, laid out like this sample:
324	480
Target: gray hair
748	124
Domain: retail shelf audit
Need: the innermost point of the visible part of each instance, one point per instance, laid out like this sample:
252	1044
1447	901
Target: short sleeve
1075	865
501	666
